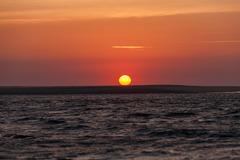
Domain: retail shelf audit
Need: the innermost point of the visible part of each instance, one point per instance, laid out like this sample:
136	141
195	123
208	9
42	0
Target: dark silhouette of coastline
115	89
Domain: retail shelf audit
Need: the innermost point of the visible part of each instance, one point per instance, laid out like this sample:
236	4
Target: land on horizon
136	89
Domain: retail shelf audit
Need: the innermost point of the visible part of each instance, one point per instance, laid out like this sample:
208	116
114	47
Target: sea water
131	126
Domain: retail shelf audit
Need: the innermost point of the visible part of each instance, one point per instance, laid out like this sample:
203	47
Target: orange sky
92	42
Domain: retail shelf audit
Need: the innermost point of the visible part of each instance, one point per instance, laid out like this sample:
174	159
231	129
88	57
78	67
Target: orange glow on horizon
93	42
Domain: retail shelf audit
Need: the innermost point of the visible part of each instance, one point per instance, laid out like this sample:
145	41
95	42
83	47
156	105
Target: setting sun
125	80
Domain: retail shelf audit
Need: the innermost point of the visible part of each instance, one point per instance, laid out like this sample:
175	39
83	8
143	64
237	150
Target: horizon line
139	85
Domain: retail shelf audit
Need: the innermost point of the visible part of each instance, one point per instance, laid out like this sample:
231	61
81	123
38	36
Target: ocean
202	126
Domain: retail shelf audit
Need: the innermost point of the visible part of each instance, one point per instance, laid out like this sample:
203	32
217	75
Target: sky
93	42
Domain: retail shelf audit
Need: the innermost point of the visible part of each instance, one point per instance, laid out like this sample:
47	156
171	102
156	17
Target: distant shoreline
143	89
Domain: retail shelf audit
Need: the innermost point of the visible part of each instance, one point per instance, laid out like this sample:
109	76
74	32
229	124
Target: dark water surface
135	127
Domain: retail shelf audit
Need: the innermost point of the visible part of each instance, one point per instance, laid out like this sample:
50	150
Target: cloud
129	47
25	10
223	42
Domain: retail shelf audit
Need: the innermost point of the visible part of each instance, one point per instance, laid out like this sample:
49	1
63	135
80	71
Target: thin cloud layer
27	10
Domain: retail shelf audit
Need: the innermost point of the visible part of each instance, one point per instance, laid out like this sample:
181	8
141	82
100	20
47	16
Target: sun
125	80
